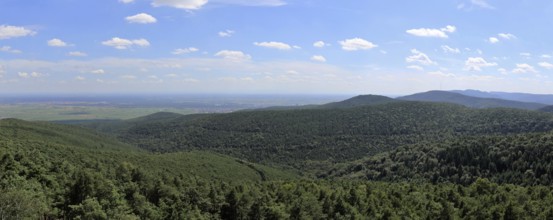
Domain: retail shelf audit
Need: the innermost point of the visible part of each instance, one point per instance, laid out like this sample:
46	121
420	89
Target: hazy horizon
274	46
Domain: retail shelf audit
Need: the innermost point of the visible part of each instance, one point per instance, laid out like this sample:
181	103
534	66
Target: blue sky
275	46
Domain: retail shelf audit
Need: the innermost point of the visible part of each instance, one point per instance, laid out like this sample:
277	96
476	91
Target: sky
388	47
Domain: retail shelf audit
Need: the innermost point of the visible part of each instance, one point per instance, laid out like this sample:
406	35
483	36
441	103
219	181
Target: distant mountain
521	97
470	101
361	100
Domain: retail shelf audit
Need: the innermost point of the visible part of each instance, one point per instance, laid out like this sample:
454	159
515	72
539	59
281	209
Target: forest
364	158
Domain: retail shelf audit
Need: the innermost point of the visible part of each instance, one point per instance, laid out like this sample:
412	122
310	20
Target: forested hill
313	138
361	100
470	101
525	159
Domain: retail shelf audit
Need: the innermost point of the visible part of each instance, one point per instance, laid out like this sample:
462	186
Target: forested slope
56	170
310	138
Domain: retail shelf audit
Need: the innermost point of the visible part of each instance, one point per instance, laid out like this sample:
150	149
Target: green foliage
523	159
314	139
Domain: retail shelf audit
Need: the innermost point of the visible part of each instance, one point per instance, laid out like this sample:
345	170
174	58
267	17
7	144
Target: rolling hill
514	96
470	101
313	139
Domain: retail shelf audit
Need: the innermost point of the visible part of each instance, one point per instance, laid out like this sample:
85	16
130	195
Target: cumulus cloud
419	57
449	49
320	44
141	18
226	33
429	32
122	44
477	63
524	68
9	49
273	45
507	36
503	36
180	51
7	32
57	43
546	65
233	55
354	44
27	75
318	58
77	54
80	78
126	1
98	71
415	67
180	4
546	56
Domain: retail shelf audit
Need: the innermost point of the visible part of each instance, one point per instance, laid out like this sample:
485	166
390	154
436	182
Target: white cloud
141	18
477	63
181	4
546	65
441	74
546	56
2	71
354	44
80	78
318	58
481	4
320	44
415	67
449	49
419	57
226	33
126	1
57	43
122	44
526	55
180	51
77	54
507	36
233	55
502	71
273	45
7	32
9	49
270	3
429	32
493	40
524	68
29	75
98	71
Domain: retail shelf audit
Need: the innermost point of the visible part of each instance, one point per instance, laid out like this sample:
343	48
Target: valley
367	156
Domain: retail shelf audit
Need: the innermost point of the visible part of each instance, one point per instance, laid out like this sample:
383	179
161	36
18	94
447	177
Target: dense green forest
369	157
314	139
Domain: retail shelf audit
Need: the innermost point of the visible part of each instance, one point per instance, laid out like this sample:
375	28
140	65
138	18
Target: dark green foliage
524	159
470	101
314	139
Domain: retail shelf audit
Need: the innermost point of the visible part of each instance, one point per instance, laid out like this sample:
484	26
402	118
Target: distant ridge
514	96
360	100
470	101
